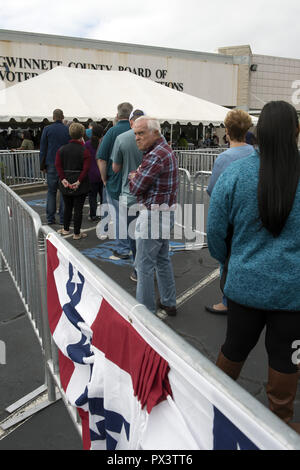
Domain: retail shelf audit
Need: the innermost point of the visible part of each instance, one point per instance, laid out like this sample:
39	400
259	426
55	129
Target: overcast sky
270	27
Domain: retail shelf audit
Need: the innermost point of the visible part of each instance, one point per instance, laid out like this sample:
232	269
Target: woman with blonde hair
72	164
237	123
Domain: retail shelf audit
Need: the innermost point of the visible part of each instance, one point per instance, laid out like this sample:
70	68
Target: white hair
152	123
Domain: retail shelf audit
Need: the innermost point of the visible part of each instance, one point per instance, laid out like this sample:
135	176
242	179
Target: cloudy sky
270	27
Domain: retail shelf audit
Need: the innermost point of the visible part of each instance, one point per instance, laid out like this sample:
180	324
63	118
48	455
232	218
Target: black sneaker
170	311
133	276
120	255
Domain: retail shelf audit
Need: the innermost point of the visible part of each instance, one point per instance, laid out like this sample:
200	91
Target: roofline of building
274	57
84	43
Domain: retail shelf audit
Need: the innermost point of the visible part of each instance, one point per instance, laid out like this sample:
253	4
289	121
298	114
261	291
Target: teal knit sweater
263	272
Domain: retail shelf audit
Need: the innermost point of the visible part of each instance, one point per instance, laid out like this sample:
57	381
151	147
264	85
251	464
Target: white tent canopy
94	94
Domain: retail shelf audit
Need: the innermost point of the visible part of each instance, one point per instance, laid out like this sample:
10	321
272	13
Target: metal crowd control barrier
23	168
22	253
20	167
192	207
196	160
24	258
22	247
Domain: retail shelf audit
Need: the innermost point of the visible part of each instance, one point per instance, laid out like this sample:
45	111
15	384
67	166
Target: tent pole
171	135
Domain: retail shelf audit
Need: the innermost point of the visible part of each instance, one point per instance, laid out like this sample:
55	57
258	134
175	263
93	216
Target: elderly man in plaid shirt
155	184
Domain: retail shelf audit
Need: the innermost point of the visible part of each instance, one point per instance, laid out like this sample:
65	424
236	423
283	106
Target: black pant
76	202
244	327
95	189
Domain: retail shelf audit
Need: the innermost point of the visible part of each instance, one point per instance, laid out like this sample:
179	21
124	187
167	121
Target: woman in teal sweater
258	198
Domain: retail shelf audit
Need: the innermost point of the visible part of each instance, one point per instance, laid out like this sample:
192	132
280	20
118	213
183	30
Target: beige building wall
242	58
276	79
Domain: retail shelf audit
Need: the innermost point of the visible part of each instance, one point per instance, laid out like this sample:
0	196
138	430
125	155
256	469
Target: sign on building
202	75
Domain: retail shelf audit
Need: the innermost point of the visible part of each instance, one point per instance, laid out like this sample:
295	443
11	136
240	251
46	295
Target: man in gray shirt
126	157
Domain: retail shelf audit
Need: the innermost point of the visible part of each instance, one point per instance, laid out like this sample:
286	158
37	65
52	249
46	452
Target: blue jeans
152	254
103	202
52	182
113	213
126	243
123	244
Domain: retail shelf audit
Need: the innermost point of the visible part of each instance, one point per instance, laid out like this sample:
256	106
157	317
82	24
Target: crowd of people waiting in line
24	140
114	161
29	139
252	228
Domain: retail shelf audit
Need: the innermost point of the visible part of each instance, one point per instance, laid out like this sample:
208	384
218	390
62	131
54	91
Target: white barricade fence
20	167
133	381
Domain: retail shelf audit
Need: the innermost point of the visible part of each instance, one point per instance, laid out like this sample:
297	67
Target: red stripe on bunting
123	346
66	369
86	437
53	303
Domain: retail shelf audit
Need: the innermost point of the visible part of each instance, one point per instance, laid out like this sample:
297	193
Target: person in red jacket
72	164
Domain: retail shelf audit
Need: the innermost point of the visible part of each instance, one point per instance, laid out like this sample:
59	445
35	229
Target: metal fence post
2	264
46	336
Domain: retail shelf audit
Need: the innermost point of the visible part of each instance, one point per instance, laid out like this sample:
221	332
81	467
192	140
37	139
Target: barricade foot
25	408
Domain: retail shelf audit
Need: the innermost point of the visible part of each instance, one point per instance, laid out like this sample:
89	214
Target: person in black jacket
53	137
72	164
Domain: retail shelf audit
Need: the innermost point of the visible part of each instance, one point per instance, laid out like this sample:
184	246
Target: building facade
264	78
212	77
233	77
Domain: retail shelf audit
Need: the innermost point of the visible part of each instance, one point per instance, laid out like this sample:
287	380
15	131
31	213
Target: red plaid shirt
156	179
